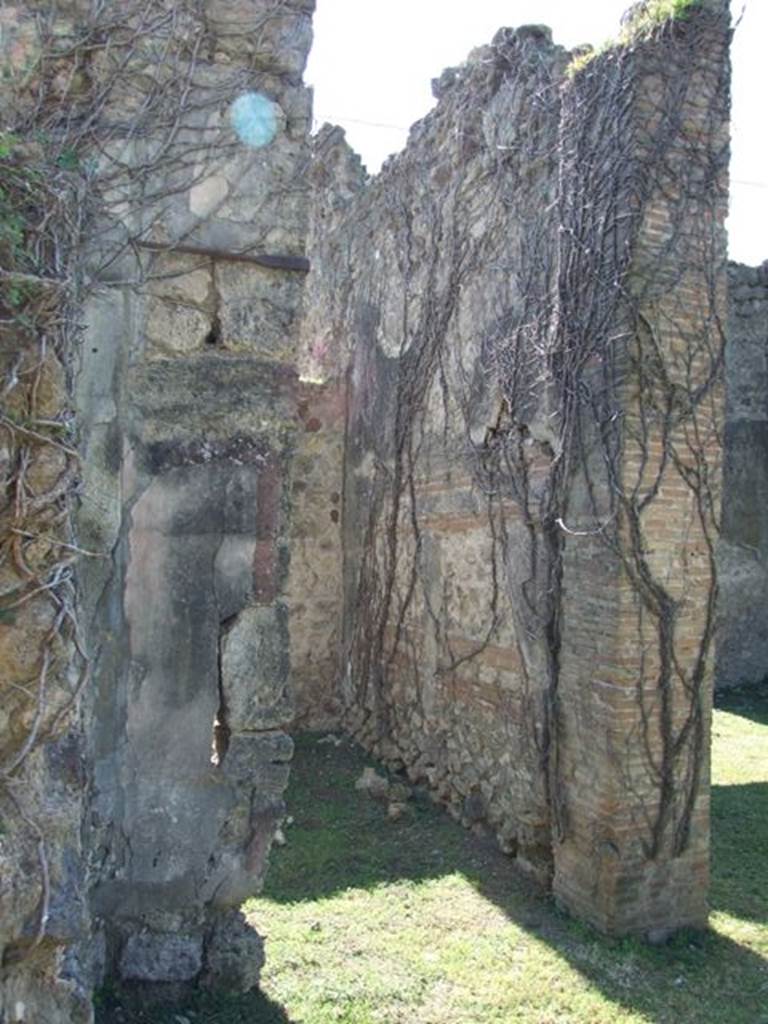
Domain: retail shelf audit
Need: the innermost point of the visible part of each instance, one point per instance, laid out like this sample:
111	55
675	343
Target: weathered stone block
181	278
154	956
272	38
258	308
255	669
173	329
229	395
249	754
207	196
234	955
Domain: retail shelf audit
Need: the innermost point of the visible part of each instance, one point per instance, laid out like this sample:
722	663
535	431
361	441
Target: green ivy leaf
68	160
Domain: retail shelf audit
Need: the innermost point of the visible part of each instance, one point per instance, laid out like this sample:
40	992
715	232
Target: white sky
372	62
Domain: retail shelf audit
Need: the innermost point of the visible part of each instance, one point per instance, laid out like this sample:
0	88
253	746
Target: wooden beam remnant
275	261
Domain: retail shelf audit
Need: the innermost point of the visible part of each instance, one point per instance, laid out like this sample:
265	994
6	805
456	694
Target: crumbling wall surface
423	269
44	921
532	298
742	655
314	590
189	218
189	391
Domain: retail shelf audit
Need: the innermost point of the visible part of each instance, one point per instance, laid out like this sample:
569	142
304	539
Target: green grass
369	921
739	895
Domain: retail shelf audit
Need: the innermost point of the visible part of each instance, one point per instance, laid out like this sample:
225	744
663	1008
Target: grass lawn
417	921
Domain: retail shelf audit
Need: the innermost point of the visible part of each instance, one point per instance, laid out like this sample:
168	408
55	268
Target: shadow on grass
204	1008
740	850
342	840
747	701
740	822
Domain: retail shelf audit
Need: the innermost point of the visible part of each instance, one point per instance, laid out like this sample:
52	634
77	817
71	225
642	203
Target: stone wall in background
313	590
742	655
315	575
421	268
528	299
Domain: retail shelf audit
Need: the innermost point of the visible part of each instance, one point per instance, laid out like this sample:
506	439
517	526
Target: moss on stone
639	22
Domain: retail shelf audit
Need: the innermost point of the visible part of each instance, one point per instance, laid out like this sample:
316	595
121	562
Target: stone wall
45	962
743	562
44	918
186	393
188	389
529	299
639	613
314	581
456	490
437	257
315	576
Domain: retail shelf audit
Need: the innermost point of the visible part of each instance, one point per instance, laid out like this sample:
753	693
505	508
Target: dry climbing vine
607	359
642	406
111	111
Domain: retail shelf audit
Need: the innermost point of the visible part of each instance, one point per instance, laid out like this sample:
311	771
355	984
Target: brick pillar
635	684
